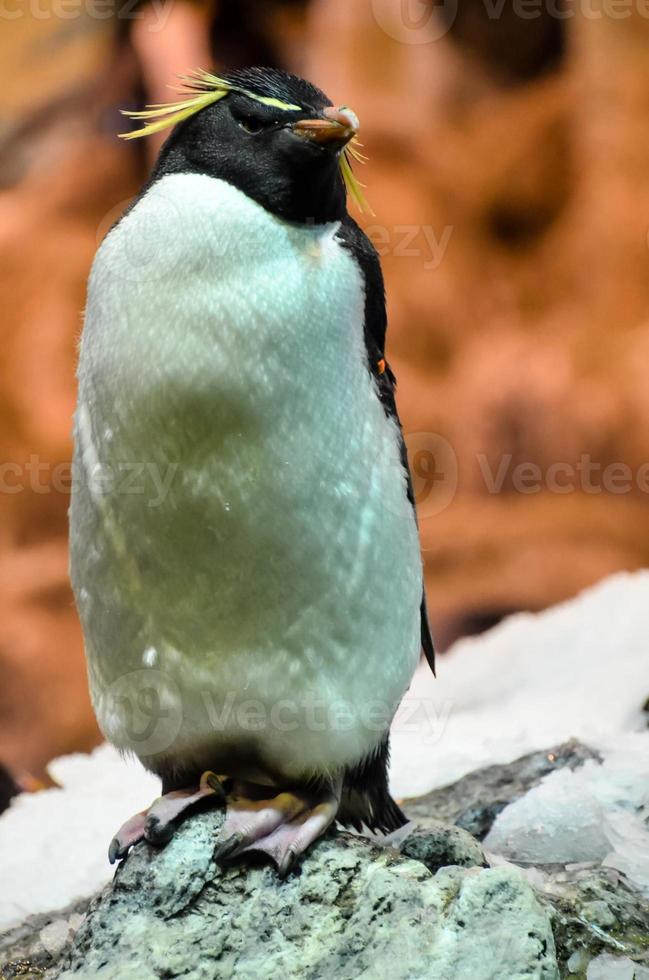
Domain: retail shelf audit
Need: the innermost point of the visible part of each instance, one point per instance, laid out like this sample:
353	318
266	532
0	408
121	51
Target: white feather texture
244	557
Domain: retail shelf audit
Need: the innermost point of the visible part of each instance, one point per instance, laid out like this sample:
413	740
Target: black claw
220	790
287	865
227	848
115	850
158	833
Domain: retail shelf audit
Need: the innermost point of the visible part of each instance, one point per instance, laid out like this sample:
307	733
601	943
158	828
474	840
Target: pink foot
282	827
157	823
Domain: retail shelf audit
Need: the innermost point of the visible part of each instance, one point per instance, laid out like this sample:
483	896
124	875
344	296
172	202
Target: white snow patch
53	844
577	670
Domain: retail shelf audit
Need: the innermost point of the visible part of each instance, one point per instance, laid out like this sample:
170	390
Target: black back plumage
375	328
366	797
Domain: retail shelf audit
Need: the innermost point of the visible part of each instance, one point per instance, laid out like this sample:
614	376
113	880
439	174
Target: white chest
272	551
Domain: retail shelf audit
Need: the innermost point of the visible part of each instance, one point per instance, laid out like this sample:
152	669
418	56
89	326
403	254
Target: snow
53	844
576	670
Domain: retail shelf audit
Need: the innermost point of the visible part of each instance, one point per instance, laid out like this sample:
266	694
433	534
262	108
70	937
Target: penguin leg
283	827
157	824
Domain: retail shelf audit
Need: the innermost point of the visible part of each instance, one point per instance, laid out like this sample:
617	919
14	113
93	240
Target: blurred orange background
509	172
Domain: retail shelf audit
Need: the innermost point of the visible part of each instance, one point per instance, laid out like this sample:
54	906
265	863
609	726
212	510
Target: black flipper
427	644
353	238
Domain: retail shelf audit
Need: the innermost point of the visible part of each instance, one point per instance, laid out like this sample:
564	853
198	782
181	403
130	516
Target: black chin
316	193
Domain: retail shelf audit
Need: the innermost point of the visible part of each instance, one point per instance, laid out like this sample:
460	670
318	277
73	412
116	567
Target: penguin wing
375	328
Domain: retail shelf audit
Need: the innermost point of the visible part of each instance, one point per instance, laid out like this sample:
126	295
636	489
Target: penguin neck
317	197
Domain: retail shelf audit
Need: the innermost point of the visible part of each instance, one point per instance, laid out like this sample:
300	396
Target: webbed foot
283	827
158	823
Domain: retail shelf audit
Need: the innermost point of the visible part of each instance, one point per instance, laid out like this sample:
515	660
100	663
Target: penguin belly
244	556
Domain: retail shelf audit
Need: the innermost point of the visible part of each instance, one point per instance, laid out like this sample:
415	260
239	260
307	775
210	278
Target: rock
474	802
439	845
608	967
358	909
596	913
557	822
33	949
354	910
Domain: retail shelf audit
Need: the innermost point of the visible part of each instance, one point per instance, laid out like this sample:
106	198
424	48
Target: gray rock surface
33	950
439	845
474	802
595	912
356	910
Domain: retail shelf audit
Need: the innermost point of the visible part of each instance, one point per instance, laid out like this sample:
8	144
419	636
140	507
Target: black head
285	159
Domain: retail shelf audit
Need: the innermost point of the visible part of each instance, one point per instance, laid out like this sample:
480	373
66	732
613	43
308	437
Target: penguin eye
250	125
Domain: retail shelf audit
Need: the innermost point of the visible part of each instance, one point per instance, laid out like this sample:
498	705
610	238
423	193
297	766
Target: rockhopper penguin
244	548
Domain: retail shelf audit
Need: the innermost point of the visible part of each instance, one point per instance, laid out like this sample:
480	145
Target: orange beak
335	130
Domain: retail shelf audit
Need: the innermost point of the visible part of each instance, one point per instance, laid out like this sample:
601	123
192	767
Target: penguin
244	549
